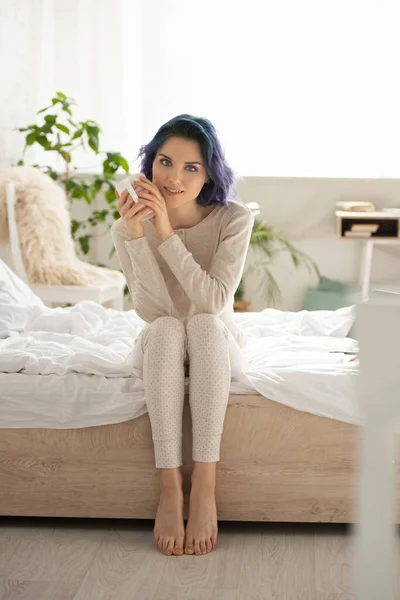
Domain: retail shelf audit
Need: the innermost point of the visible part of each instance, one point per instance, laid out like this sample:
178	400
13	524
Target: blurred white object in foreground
378	332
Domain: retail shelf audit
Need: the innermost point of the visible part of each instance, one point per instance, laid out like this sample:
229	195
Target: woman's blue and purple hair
222	178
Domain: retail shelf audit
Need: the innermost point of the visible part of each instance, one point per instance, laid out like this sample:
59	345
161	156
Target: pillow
17	301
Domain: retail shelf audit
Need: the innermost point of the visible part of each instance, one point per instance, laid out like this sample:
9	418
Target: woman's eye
189	166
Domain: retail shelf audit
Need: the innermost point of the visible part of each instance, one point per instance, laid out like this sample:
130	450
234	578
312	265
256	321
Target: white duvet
72	367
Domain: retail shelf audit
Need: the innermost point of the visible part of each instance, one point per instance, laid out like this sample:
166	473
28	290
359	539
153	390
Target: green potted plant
61	134
269	242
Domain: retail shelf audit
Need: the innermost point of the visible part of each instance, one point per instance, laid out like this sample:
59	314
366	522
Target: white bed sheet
72	368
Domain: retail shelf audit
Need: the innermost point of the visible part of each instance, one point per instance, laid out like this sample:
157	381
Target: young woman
183	268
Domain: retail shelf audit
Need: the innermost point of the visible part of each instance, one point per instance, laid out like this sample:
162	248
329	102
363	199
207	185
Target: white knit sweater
196	270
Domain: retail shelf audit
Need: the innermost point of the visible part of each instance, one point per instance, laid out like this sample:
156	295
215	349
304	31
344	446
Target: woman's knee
166	328
167	324
205	323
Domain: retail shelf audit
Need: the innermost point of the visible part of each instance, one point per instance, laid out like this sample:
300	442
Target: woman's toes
209	545
197	549
189	546
202	545
213	540
170	547
178	548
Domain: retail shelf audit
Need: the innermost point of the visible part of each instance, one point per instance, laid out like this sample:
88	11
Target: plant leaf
62	128
75	225
66	156
31	138
84	243
110	196
44	109
93	143
77	134
43	141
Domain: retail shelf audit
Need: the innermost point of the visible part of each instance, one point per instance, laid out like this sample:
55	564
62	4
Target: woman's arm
149	292
210	291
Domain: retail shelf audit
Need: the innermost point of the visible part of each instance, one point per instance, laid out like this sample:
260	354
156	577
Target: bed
75	437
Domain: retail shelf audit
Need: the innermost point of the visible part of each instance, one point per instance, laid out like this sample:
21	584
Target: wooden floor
79	559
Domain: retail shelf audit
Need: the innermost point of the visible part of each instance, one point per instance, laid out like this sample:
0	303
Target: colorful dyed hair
187	126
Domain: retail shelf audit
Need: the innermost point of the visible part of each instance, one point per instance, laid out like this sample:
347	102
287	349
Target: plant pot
241	306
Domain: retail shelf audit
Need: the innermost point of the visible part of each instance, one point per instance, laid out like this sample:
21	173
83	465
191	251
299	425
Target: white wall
304	210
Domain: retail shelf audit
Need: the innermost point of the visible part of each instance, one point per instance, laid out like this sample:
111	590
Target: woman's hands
152	198
131	213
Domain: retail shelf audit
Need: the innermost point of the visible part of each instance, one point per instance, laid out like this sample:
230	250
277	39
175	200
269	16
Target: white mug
126	184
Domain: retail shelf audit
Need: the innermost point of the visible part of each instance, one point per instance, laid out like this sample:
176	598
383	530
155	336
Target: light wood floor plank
37	590
191	593
278	562
50	550
329	596
333	560
126	566
96	559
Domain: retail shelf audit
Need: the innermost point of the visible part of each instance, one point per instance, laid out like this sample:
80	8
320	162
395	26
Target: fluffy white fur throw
44	229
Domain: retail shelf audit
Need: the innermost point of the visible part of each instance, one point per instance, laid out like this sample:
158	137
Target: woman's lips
173	193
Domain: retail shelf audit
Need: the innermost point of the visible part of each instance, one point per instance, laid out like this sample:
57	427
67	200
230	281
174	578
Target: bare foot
169	528
202	525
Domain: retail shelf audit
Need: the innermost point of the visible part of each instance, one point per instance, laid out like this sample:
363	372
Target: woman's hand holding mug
150	199
151	196
131	212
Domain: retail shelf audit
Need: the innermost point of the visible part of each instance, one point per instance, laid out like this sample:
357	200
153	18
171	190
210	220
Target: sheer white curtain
294	88
77	48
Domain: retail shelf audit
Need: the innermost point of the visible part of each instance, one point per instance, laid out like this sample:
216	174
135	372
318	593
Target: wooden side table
370	228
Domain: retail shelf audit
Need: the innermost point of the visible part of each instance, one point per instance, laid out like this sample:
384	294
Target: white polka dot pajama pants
162	351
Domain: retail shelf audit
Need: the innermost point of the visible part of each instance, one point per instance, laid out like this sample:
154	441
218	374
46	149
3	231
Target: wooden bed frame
277	464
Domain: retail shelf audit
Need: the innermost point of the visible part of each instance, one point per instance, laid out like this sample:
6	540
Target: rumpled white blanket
88	338
302	359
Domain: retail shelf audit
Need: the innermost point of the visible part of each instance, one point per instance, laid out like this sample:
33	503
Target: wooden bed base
277	464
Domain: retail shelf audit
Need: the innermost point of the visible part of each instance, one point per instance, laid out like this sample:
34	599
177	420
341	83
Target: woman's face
176	167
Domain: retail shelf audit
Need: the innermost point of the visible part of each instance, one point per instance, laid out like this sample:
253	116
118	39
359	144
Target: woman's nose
175	182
